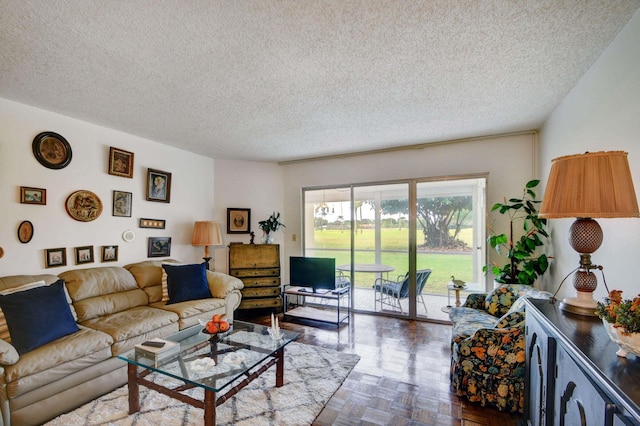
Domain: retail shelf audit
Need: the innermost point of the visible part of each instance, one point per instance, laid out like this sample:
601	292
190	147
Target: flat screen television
317	273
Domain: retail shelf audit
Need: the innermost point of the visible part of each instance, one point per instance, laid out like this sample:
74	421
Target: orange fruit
224	325
212	327
216	318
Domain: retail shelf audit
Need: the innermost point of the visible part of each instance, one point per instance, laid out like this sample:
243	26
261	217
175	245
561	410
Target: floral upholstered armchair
488	347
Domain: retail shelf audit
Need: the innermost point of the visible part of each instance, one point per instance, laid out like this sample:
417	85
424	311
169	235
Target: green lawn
335	243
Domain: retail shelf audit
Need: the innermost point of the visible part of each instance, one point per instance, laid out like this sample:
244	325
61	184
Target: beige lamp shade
593	184
206	234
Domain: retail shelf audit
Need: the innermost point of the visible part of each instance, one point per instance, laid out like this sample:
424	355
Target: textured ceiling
289	79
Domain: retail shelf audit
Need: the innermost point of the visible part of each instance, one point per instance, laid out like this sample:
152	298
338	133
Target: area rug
312	375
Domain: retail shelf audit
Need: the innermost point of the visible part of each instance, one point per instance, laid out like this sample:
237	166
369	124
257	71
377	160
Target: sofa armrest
8	354
475	301
220	285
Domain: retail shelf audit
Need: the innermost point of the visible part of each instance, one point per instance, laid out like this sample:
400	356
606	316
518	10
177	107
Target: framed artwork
109	253
158	186
152	223
122	203
51	150
159	247
120	162
33	195
25	231
238	221
84	255
55	257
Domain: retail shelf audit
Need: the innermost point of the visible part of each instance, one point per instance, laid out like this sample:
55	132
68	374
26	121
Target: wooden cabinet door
541	362
247	256
578	401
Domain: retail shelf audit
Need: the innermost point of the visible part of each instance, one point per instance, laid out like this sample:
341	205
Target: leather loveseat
114	308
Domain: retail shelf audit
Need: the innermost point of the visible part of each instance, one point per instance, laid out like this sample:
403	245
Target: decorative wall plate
51	150
84	206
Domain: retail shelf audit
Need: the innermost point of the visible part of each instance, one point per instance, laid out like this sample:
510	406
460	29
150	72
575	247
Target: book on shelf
157	354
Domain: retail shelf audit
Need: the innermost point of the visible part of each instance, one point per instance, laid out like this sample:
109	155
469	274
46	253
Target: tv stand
335	313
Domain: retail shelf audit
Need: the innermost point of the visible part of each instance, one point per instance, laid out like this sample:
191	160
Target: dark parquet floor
402	377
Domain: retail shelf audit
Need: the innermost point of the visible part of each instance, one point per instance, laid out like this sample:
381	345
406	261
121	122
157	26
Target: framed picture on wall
120	162
159	247
33	195
84	255
158	186
109	253
122	203
55	257
238	221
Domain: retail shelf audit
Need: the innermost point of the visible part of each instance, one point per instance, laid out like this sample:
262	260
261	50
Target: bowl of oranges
218	324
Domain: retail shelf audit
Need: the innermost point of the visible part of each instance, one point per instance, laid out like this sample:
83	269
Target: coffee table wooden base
136	378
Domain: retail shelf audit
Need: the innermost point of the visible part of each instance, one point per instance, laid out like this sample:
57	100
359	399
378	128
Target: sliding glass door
399	243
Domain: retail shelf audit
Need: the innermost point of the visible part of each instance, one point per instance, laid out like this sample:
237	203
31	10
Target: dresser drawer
260	292
267	272
261	282
266	302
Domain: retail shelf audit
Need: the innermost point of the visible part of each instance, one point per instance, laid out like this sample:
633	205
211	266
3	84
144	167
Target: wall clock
51	150
84	206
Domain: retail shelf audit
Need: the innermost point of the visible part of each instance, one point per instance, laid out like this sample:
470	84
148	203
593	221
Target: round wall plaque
84	206
51	150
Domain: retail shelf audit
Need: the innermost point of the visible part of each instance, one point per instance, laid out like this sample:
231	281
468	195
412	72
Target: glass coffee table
224	362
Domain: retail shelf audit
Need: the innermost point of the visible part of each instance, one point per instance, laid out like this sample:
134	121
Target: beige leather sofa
115	309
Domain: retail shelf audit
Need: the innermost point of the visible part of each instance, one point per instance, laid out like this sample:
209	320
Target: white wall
601	113
509	161
248	185
191	192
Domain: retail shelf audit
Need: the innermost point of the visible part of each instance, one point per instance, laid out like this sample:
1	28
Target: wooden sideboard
258	266
574	376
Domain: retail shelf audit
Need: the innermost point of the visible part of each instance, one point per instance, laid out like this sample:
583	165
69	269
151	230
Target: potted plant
269	225
525	264
621	318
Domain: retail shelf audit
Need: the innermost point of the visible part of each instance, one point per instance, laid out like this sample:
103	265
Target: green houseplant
269	225
524	263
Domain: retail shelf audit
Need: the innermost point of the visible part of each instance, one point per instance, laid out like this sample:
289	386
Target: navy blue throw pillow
37	316
187	282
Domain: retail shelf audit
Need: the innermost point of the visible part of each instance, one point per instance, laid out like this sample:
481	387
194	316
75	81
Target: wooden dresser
573	374
258	266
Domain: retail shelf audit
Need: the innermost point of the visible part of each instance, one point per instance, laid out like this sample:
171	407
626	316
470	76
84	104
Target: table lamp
587	186
207	234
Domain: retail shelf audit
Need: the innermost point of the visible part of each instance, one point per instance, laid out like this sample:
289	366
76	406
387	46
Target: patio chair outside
390	293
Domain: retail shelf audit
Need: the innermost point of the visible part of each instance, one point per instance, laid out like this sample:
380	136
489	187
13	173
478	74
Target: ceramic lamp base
583	304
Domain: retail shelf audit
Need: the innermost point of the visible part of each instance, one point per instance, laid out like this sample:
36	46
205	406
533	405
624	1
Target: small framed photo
51	150
158	186
33	195
159	247
152	223
238	221
84	255
120	162
109	253
55	257
122	203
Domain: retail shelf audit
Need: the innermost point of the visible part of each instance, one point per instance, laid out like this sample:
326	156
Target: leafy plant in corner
525	265
271	224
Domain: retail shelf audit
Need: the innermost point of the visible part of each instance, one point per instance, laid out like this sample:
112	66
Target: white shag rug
311	376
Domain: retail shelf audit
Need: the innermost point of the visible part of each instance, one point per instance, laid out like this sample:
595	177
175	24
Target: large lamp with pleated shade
587	186
207	234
